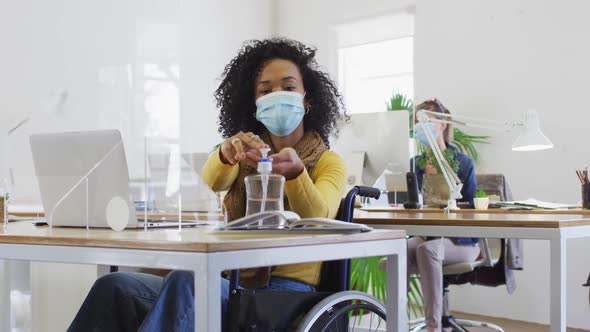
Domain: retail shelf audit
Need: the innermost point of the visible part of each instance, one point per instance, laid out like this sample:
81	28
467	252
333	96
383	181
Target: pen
583	176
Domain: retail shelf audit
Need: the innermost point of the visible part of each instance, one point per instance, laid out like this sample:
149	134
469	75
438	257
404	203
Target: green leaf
399	102
413	302
366	275
416	287
429	158
466	142
480	193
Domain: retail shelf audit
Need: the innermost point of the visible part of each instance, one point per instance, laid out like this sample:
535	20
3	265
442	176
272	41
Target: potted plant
434	187
481	200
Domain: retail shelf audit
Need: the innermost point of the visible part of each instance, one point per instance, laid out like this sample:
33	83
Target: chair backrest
494	184
491	269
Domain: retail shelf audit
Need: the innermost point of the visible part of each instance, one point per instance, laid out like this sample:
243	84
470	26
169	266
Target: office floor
510	325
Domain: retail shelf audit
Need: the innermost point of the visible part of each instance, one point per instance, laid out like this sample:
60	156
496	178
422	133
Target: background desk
206	253
585	212
556	228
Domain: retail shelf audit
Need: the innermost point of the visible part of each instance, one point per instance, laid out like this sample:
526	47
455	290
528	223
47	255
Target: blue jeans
143	302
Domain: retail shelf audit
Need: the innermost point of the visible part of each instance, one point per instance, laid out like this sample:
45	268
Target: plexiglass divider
163	180
145	183
88	199
4	192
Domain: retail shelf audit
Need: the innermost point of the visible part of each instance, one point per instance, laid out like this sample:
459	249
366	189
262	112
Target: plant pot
2	211
481	203
435	190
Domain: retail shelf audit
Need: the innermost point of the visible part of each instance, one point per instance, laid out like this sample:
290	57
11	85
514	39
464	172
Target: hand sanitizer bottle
264	191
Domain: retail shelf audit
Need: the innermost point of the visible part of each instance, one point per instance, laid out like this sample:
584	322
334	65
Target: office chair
494	184
492	253
332	307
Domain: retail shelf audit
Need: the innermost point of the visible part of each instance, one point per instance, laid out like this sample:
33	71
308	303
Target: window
370	70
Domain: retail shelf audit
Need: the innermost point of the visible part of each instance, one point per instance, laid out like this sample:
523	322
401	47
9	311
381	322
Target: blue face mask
280	112
420	134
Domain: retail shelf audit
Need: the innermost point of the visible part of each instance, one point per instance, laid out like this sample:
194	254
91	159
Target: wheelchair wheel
345	311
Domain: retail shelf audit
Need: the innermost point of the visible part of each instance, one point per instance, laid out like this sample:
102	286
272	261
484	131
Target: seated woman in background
443	134
427	257
299	111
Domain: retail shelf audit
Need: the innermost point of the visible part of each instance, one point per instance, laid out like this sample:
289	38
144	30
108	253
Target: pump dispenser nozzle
264	164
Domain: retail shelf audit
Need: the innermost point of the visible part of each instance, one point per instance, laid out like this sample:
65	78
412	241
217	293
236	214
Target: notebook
533	203
285	221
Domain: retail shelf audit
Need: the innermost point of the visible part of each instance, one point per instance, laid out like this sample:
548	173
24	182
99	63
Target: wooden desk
555	228
206	252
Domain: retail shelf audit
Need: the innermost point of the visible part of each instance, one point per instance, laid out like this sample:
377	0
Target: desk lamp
530	139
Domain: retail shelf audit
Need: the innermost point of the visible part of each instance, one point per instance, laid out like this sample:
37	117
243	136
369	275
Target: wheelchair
333	307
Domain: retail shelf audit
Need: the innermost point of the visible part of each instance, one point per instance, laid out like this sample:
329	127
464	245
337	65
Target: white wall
97	51
495	59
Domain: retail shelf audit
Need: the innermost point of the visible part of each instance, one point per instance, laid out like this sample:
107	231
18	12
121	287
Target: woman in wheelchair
426	257
301	109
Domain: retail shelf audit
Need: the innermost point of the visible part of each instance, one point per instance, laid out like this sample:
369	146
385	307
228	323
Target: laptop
84	180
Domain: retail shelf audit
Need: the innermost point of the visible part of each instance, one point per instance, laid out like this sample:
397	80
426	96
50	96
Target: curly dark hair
236	94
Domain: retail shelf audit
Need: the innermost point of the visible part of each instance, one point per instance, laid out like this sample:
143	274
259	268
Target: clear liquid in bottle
264	191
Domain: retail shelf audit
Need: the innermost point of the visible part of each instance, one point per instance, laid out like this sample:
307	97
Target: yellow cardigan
310	195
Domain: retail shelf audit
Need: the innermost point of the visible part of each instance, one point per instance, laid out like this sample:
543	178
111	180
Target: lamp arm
18	125
467	121
449	175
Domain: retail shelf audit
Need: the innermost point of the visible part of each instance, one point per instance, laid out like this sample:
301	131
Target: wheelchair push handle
369	192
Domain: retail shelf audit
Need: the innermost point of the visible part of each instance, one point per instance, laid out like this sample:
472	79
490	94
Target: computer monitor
384	140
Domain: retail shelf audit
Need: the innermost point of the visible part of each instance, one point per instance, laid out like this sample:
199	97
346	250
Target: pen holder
586	196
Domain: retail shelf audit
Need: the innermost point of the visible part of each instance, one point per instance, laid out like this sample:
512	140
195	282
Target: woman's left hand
287	163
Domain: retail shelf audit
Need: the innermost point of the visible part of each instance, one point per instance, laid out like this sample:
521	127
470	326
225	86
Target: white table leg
397	296
4	296
15	295
558	289
207	299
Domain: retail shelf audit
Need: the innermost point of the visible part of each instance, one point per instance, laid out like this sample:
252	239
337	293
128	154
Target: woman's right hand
236	148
